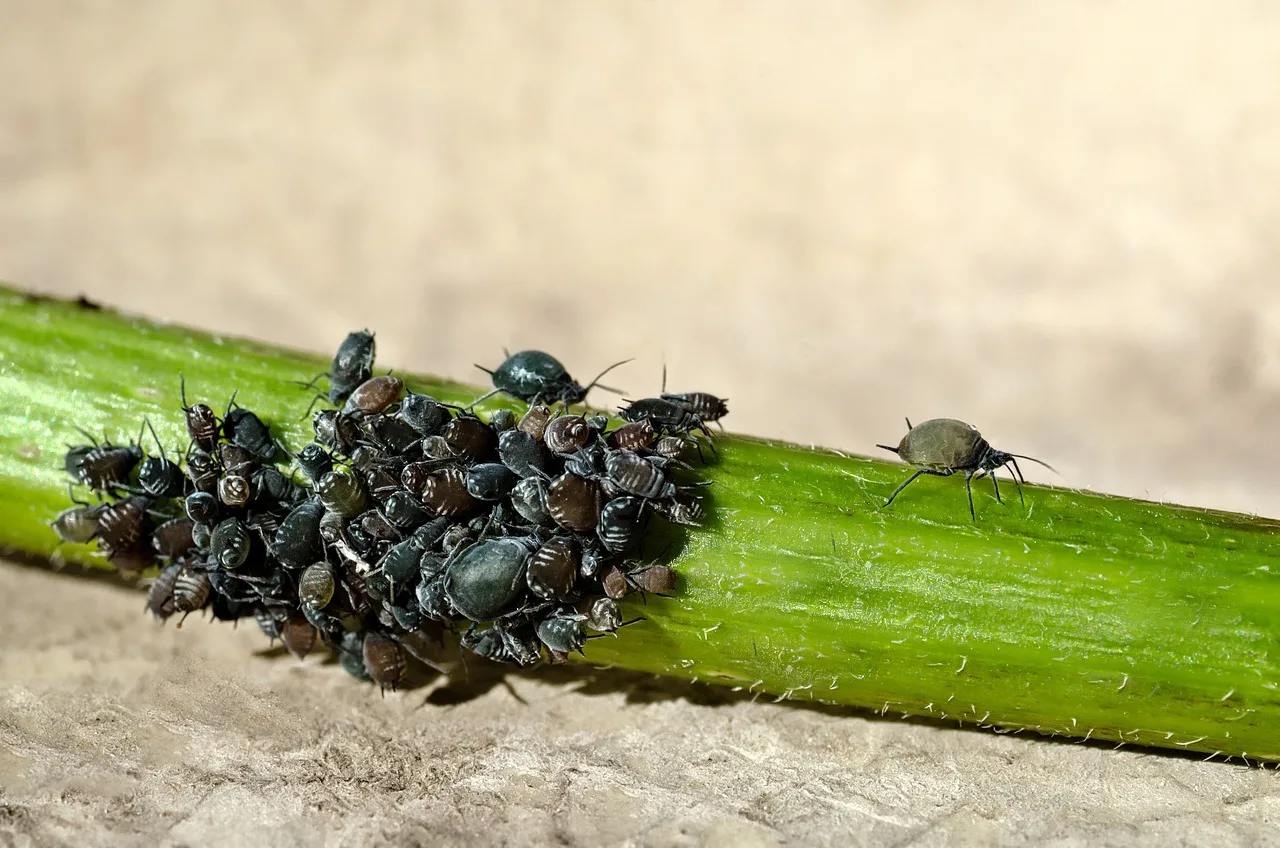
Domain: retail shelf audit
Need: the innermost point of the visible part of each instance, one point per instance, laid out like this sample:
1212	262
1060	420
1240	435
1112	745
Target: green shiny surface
1082	615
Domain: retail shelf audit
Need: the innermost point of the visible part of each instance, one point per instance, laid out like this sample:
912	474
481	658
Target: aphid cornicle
202	425
534	377
945	446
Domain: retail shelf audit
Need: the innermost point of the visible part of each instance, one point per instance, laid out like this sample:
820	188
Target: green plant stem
1079	615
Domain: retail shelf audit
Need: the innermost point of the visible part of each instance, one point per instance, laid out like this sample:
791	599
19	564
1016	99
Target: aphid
270	621
424	414
298	636
567	434
102	467
524	454
502	420
384	660
669	447
374	395
333	527
614	582
490	481
553	569
485	580
517	644
236	459
588	462
160	593
533	377
706	406
297	541
352	365
314	462
121	525
631	473
174	537
574	502
203	470
432	600
666	416
603	615
563	631
680	510
201	536
244	428
335	431
455	538
202	507
230	543
341	493
158	476
202	425
593	559
535	420
437	450
407	616
621	522
414	475
316	586
446	492
433	531
271	489
658	579
945	446
378	527
234	490
470	438
404	512
634	436
190	590
79	524
529	499
401	564
390	433
223	608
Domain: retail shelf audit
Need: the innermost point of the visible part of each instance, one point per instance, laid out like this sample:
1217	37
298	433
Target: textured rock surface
1054	221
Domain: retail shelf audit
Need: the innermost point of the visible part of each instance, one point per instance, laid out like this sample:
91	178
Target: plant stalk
1078	615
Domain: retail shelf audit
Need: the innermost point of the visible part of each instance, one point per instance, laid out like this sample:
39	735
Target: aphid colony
405	515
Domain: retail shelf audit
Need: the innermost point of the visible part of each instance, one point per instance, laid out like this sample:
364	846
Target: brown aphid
236	459
614	582
234	490
160	593
445	491
374	395
191	590
658	579
634	436
202	425
414	476
298	636
470	438
567	434
669	446
553	568
535	421
174	538
574	502
384	660
603	615
122	524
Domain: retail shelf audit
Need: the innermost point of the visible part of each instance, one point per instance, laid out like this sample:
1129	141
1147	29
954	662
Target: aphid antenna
154	437
231	403
182	390
1033	459
480	399
88	436
596	382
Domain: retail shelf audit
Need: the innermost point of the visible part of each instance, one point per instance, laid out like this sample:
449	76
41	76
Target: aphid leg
313	403
968	489
1018	479
482	398
996	483
904	485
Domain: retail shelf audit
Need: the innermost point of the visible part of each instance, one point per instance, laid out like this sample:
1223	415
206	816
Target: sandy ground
1054	220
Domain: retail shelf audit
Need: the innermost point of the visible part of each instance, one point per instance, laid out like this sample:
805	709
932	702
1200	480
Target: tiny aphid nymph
945	446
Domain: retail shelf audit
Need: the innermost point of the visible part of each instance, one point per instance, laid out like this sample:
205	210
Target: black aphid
524	454
665	416
705	405
202	507
158	476
297	541
203	470
122	525
553	569
341	493
535	377
424	414
234	490
574	502
635	475
404	512
945	446
160	593
563	632
352	365
485	580
230	544
470	438
603	615
203	426
621	522
445	491
174	537
490	481
242	427
314	462
102	467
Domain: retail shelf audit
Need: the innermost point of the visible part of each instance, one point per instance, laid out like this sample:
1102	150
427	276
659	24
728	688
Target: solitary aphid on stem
536	377
945	446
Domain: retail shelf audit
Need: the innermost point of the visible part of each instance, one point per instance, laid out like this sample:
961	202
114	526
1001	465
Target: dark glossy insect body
407	616
524	454
533	376
202	425
297	541
201	536
621	522
161	478
518	644
404	512
678	510
349	648
341	493
490	481
574	502
455	538
203	470
230	543
470	438
160	593
445	491
103	467
337	432
634	436
432	600
553	569
79	524
433	531
384	660
614	582
122	525
502	420
316	586
567	434
707	407
485	580
314	462
236	459
244	428
529	500
666	417
563	631
271	621
535	420
945	446
669	447
271	489
635	475
413	477
390	433
603	615
588	462
426	415
658	579
593	559
234	490
401	564
352	365
298	636
190	590
174	537
202	507
374	395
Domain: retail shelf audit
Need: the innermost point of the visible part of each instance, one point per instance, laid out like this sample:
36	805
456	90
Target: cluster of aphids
408	515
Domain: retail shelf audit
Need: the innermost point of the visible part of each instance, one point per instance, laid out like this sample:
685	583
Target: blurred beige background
1057	221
